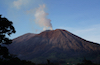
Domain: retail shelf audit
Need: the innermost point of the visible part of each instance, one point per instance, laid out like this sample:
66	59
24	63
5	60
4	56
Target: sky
80	17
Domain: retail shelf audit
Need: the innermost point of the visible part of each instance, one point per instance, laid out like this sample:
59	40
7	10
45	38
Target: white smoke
40	18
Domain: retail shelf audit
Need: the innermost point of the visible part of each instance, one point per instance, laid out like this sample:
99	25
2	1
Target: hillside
56	45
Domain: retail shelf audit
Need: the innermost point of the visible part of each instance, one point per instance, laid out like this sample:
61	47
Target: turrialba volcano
59	46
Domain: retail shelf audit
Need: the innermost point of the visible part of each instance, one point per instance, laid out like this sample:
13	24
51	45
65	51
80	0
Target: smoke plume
40	18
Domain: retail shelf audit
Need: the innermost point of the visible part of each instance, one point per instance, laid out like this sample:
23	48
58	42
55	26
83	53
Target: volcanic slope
56	45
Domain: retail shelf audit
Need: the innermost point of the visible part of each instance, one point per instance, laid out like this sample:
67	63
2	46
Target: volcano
56	45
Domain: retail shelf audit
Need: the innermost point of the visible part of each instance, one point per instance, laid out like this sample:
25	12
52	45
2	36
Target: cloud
20	3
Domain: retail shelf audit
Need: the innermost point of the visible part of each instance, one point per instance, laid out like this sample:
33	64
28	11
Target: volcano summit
56	45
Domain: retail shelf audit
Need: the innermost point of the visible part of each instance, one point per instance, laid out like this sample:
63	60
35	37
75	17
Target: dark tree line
6	29
87	62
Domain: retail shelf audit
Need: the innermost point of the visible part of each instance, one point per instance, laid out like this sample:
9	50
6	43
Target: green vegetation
15	61
87	62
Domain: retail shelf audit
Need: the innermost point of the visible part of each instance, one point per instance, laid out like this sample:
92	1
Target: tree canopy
6	28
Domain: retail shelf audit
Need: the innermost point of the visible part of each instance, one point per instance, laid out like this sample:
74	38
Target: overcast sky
80	17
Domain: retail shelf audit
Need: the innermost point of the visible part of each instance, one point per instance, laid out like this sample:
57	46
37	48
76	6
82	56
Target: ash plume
41	19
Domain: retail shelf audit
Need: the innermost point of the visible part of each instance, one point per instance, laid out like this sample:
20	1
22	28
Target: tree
6	29
86	62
